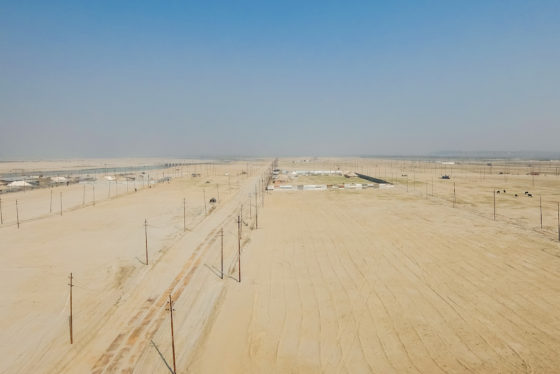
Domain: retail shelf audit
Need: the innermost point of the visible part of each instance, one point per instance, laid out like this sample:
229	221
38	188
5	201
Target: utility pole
70	317
540	207
146	237
17	214
256	210
494	193
222	255
184	214
204	197
454	198
239	246
172	335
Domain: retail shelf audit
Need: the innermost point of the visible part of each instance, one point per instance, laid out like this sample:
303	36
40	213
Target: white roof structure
58	179
19	184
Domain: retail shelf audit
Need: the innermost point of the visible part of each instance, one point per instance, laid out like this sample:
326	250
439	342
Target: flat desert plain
413	278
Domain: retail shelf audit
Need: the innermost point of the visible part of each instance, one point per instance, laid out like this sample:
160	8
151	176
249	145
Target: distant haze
113	79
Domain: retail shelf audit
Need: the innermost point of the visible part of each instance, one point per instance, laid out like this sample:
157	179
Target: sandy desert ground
407	279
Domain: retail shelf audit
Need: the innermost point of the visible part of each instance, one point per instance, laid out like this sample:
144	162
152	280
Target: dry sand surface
104	247
373	281
377	280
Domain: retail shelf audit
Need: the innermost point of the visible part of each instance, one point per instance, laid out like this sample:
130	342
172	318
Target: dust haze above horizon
148	79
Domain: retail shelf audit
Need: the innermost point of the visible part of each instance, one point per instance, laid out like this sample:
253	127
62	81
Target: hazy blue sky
162	78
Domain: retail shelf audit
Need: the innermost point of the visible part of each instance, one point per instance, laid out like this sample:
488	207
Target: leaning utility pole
70	317
172	335
239	246
146	237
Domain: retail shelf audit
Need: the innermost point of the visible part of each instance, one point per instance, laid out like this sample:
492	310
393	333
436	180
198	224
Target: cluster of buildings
282	181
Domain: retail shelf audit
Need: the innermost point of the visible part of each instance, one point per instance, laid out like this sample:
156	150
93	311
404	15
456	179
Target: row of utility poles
171	302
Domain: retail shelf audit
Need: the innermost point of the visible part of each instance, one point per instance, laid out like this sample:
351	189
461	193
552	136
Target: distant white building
19	184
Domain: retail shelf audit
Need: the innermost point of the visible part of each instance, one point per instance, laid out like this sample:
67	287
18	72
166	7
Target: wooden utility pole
454	197
432	186
184	214
239	246
204	197
494	193
540	207
50	209
222	251
146	237
70	317
172	334
61	203
17	214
